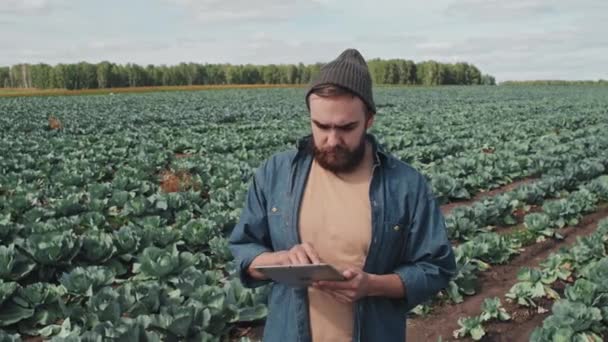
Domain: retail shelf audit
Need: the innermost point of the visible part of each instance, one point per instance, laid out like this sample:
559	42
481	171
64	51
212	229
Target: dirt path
496	282
523	322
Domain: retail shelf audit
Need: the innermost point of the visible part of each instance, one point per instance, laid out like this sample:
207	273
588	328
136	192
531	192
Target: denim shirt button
396	228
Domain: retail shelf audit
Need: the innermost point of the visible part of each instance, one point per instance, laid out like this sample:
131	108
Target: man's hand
359	284
302	254
355	287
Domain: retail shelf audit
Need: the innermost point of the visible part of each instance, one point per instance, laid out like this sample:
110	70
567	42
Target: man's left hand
355	287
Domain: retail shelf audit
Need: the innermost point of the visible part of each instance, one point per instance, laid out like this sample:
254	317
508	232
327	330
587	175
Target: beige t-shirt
335	217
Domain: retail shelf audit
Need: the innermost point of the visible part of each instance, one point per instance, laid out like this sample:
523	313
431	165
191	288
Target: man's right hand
302	254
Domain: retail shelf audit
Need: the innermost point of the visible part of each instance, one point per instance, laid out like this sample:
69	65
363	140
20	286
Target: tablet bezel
301	275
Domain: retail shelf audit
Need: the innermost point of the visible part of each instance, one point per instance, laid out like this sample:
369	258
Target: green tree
488	80
5	77
430	73
105	74
87	76
41	75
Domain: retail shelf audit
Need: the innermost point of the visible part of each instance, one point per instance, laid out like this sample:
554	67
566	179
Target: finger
336	285
302	257
284	261
350	273
312	254
295	255
350	294
339	296
333	294
293	259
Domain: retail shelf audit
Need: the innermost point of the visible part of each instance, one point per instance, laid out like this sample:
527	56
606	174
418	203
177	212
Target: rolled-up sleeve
250	237
428	263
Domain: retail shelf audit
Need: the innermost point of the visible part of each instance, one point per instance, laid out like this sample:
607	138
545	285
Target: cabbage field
114	209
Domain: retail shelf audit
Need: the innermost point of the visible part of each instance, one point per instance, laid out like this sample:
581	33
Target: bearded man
340	198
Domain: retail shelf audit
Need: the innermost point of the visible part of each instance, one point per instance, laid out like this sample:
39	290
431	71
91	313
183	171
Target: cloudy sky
510	39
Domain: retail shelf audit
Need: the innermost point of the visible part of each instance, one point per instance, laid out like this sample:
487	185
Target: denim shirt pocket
396	235
277	225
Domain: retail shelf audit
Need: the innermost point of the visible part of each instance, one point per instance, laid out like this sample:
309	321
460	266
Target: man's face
338	128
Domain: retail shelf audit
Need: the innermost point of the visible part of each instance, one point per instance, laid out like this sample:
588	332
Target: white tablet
301	275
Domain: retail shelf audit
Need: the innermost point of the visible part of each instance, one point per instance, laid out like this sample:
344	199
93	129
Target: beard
339	159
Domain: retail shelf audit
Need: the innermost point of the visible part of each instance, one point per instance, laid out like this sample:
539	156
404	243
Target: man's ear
369	120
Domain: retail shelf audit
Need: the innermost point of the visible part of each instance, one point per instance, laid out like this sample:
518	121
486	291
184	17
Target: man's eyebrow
346	125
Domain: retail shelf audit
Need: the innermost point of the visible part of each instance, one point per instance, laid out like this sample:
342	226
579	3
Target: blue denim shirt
409	238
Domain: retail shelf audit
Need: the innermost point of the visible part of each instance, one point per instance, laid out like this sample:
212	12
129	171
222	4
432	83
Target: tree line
556	82
105	74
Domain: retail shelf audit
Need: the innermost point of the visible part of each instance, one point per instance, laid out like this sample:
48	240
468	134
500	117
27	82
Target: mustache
338	158
334	150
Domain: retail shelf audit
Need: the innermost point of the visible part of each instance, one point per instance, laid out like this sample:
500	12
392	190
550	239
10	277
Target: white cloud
22	6
28	7
568	54
497	9
14	12
214	11
542	43
513	11
518	39
393	38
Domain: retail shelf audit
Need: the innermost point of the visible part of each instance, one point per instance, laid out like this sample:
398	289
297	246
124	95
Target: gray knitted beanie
349	71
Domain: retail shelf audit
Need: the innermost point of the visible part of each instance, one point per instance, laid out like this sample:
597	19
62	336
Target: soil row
496	282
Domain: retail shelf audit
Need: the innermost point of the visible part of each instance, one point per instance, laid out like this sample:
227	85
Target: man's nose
333	138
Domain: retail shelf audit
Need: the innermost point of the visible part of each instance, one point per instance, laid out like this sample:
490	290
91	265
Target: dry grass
177	181
54	123
17	90
14	92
